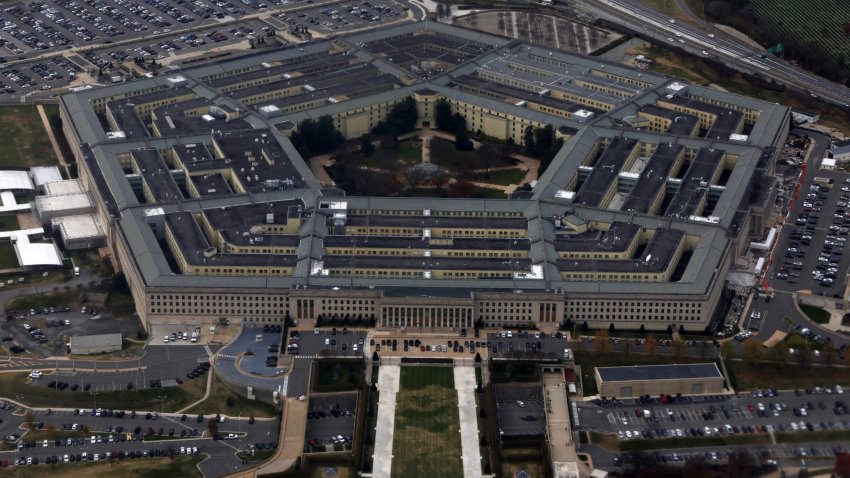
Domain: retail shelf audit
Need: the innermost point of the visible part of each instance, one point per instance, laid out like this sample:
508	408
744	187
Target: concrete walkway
389	378
465	386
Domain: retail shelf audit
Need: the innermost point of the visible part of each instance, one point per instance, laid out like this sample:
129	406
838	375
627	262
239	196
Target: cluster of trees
314	137
807	52
541	142
452	123
400	120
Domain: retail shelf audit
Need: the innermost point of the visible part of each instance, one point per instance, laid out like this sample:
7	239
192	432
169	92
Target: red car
750	407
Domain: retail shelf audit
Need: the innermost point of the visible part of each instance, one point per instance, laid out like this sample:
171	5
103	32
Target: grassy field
787	376
14	385
337	375
427	427
8	259
217	403
609	441
182	466
70	298
9	222
503	177
808	20
23	141
817	314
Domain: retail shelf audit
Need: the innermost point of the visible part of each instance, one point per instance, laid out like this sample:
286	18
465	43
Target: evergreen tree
528	140
366	146
443	115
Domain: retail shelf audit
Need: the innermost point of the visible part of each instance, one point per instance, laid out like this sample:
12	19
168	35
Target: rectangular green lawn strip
23	140
427	426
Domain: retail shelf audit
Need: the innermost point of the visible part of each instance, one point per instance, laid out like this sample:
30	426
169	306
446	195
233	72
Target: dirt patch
27	221
776	338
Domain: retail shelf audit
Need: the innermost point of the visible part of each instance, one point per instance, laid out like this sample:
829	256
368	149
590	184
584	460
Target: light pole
162	398
94	400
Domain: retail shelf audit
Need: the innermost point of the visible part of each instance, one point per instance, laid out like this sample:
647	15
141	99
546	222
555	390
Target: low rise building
639	380
94	344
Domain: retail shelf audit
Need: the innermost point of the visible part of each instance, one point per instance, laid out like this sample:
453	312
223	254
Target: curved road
722	45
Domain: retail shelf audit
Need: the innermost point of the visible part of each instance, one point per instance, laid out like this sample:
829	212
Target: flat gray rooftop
659	372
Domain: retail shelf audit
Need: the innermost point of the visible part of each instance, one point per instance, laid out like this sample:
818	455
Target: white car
96	456
44	445
711	35
27	326
36	374
520	404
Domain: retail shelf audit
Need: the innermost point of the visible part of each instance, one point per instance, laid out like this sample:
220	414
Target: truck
76	272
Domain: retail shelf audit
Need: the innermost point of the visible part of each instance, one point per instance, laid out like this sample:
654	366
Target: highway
720	44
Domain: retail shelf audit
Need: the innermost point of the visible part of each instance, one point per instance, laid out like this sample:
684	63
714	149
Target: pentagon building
211	213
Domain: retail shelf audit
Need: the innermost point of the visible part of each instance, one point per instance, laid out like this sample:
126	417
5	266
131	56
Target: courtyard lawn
8	259
337	375
817	314
502	177
23	140
427	426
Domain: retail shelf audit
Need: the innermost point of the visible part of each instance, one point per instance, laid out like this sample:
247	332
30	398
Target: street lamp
94	399
162	398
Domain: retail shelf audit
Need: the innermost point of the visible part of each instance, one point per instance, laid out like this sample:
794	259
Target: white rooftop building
49	207
34	253
79	232
42	175
15	181
62	187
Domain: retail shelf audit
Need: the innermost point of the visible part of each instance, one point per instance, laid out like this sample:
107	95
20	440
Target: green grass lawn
217	403
502	177
23	140
15	385
816	314
427	426
8	259
181	466
337	375
9	223
786	376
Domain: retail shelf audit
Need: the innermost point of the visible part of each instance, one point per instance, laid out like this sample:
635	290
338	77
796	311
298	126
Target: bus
823	182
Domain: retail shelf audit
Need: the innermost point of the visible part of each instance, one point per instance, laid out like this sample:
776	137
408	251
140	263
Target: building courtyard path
389	379
471	453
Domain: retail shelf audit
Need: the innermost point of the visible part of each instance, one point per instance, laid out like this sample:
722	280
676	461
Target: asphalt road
745	57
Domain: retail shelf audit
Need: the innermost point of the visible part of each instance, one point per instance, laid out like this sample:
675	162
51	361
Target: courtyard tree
727	349
366	146
651	345
602	340
528	140
443	115
316	136
678	347
212	427
752	352
462	141
400	120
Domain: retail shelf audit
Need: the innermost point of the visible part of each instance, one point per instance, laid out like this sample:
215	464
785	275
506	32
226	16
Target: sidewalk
389	379
471	453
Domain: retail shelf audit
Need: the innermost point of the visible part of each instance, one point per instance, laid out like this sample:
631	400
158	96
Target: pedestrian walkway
470	453
389	378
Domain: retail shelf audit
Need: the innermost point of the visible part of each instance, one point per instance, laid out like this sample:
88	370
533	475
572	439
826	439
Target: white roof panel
15	180
35	254
45	174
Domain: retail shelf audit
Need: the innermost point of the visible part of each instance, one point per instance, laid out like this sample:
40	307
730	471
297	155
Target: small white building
840	150
803	117
94	344
828	164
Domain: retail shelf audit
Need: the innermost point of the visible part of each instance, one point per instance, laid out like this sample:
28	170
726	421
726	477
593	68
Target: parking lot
49	26
121	432
713	415
342	17
815	240
336	342
43	332
520	411
330	421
